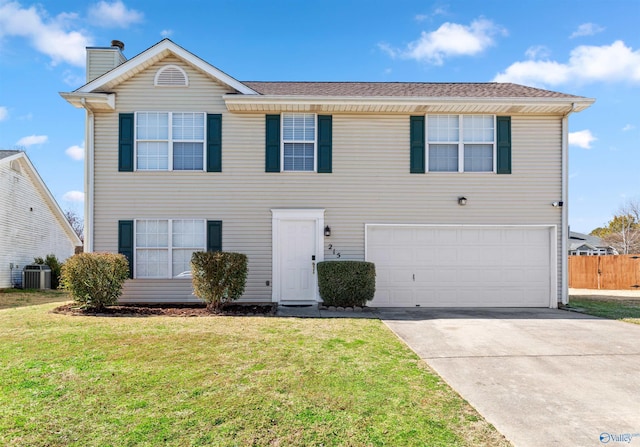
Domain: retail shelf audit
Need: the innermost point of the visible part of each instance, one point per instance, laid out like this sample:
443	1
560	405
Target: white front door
297	249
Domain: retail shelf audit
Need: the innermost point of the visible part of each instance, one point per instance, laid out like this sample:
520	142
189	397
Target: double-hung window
167	141
298	141
163	247
461	143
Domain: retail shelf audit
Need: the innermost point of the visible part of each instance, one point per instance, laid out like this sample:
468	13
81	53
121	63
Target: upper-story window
170	141
298	141
171	76
461	143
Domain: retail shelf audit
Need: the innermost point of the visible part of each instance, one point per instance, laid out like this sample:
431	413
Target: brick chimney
103	59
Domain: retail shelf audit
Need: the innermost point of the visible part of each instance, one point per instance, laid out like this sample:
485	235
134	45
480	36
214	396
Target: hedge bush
218	277
346	283
95	279
52	261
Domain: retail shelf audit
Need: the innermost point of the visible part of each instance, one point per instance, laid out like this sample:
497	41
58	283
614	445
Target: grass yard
220	381
18	298
617	308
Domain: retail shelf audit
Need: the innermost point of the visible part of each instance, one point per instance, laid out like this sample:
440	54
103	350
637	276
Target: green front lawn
220	381
18	297
617	308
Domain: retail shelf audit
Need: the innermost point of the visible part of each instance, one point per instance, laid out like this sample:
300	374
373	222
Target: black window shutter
125	242
125	142
214	235
504	144
325	144
272	155
416	141
214	143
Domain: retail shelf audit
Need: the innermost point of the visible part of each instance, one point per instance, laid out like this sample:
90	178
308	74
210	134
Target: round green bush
346	283
218	277
95	280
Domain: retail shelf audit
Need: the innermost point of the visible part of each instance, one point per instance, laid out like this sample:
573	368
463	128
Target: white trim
564	296
89	182
278	215
416	104
460	143
170	67
158	50
170	141
315	141
169	246
553	247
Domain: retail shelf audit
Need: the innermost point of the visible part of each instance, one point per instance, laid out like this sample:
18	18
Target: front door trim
279	215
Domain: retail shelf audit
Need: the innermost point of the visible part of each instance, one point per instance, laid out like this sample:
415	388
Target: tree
77	223
623	231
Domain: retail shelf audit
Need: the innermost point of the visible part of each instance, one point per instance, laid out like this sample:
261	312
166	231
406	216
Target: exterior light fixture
557	204
327	231
462	201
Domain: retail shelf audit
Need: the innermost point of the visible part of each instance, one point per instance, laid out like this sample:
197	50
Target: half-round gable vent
171	76
15	165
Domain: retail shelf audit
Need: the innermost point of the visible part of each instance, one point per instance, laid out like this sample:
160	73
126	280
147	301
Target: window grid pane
443	128
298	127
478	128
443	157
298	156
478	157
154	148
187	156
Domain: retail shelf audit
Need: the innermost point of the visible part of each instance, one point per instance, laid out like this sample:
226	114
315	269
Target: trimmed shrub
55	267
346	283
95	280
218	277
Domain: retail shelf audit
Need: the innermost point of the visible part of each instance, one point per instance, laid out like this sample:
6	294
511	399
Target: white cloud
538	52
114	15
581	138
75	152
49	36
628	127
4	113
608	63
453	39
450	40
587	29
32	140
73	196
73	79
166	33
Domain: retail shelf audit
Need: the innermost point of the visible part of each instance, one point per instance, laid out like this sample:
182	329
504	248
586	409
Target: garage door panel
461	266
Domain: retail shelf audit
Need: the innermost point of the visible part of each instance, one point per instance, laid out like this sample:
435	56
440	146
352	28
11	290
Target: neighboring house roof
380	97
6	157
5	154
578	240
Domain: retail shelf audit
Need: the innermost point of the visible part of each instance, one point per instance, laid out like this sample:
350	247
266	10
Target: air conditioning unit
36	276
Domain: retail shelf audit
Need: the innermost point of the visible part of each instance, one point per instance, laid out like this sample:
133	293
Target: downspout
88	179
565	207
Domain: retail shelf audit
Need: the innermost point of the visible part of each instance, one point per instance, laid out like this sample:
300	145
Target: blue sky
583	47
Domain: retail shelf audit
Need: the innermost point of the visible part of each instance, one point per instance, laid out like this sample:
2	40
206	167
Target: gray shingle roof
5	154
408	89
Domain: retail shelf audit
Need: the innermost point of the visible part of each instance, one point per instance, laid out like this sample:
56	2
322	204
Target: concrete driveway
542	377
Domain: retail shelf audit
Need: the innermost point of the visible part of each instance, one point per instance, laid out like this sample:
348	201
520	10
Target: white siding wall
370	183
28	226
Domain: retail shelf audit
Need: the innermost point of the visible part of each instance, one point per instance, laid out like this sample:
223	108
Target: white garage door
462	266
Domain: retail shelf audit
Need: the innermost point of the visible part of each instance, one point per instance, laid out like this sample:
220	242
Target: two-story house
454	190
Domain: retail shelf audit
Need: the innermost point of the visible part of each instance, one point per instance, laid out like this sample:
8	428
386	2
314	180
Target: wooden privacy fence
611	272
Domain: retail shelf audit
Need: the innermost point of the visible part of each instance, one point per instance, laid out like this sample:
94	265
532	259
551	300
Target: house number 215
334	251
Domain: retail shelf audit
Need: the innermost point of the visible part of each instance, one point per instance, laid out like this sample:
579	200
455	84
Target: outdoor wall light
557	204
462	201
327	231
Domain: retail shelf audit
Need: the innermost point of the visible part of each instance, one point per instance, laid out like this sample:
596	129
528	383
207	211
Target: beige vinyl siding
370	183
102	60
